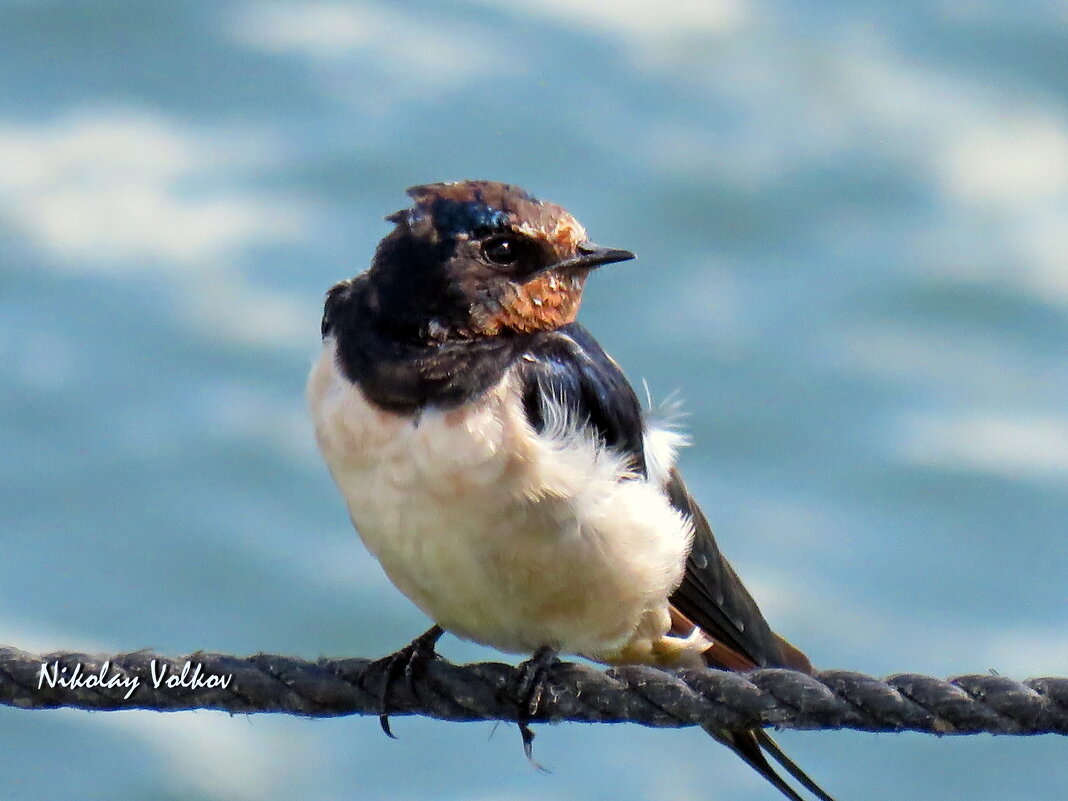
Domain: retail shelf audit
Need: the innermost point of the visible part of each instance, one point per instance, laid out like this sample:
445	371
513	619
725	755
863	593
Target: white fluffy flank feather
664	436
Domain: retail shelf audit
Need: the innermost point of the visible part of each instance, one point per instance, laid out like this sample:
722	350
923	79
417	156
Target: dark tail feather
748	745
764	741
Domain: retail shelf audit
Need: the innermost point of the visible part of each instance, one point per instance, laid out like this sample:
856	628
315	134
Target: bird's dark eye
502	250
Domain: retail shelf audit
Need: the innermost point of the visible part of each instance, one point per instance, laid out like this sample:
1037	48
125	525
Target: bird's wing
569	367
713	597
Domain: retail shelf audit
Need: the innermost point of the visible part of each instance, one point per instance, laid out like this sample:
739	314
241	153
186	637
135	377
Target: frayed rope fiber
831	699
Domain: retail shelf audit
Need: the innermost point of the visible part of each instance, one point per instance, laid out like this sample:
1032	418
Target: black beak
590	255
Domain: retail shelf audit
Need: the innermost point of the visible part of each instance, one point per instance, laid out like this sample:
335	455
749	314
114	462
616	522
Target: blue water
852	229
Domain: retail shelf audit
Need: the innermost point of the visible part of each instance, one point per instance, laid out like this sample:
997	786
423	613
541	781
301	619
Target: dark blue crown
467	216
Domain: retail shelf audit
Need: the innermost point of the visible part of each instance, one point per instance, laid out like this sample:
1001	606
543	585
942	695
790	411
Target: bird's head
478	259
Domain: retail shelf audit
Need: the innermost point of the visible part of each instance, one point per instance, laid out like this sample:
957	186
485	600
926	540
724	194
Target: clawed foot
527	687
411	661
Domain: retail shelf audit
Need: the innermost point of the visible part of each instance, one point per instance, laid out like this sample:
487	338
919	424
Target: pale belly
502	536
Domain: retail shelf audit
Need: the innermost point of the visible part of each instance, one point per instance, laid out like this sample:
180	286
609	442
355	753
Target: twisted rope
832	699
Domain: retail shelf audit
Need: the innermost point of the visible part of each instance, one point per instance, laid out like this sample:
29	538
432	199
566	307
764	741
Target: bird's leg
527	688
411	660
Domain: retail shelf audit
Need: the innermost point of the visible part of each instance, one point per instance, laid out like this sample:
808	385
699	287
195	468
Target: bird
499	465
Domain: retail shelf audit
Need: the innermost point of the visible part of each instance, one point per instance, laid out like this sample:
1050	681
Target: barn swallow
499	465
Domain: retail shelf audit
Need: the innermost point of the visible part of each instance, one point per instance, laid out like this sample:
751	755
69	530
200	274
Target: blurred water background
852	229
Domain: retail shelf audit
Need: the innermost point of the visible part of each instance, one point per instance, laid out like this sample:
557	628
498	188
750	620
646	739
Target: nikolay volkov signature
192	676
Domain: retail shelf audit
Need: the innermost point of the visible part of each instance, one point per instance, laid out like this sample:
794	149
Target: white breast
501	535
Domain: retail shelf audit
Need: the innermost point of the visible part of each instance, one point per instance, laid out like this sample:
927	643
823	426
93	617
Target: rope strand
832	699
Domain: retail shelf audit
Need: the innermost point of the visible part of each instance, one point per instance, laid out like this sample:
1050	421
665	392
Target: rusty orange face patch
542	304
